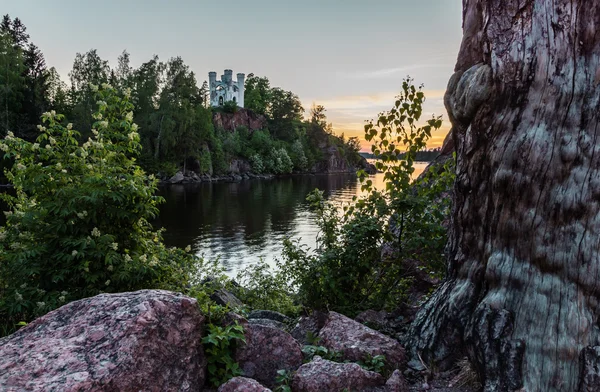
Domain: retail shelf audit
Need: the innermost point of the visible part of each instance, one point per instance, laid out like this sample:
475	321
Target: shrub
230	107
346	272
263	288
279	162
78	224
257	164
219	345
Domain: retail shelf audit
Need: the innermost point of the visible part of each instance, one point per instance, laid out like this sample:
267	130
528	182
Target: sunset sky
348	55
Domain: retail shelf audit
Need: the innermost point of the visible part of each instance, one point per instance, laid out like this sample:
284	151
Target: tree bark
521	297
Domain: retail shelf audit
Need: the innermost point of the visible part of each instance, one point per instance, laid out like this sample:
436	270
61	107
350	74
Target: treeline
421	156
170	107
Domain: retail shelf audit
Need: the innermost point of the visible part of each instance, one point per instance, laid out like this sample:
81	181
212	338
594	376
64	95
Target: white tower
225	90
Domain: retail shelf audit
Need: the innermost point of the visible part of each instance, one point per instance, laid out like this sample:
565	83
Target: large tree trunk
524	260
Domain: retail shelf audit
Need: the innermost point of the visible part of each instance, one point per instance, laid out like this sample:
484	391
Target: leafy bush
284	380
262	288
374	363
279	162
346	272
310	351
298	157
219	345
78	224
230	107
256	162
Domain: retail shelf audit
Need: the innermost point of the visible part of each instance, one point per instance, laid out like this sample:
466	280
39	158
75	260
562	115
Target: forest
171	109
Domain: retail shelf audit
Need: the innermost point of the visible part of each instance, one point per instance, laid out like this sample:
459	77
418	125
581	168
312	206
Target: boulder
356	341
242	384
372	318
177	178
225	298
309	325
267	350
322	375
146	340
268	314
268	323
396	383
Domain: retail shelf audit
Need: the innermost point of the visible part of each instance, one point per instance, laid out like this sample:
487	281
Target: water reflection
241	223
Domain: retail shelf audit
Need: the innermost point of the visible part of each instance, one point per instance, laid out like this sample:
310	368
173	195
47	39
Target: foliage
171	110
78	225
284	380
279	162
219	345
310	351
374	363
346	272
262	288
230	107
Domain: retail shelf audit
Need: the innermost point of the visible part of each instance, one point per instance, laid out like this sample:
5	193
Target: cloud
444	62
348	113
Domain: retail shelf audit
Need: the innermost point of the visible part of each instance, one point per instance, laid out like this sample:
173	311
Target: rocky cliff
241	118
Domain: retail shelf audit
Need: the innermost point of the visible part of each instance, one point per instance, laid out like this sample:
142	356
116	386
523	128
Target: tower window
220	101
233	99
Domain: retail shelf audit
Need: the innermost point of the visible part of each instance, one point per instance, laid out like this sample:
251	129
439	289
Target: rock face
147	340
321	375
242	384
241	118
309	325
356	341
268	314
396	383
267	350
225	298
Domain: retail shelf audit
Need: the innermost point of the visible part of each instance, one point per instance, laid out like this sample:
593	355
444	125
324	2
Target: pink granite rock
396	383
356	341
147	340
242	384
322	375
267	350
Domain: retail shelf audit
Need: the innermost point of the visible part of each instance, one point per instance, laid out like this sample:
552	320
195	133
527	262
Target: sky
347	55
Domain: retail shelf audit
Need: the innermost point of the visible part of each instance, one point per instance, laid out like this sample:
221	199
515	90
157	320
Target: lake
242	223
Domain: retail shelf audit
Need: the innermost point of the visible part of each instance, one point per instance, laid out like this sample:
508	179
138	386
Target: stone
177	178
147	340
225	298
322	375
267	350
396	383
356	341
268	323
242	384
378	319
309	325
268	314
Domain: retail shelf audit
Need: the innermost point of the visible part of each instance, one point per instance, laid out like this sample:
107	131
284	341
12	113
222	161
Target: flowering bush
78	222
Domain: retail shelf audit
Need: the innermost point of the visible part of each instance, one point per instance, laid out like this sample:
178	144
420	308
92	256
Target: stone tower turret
240	84
226	89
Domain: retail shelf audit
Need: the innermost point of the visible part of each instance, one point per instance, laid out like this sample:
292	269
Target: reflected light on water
242	223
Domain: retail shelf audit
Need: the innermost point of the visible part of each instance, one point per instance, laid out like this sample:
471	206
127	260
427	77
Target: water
242	223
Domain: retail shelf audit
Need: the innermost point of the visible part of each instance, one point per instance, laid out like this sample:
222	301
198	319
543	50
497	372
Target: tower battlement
226	89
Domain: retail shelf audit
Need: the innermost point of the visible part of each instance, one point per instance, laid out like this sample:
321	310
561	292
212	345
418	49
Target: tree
257	93
319	118
11	82
79	221
123	72
58	92
35	100
521	297
16	29
88	69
